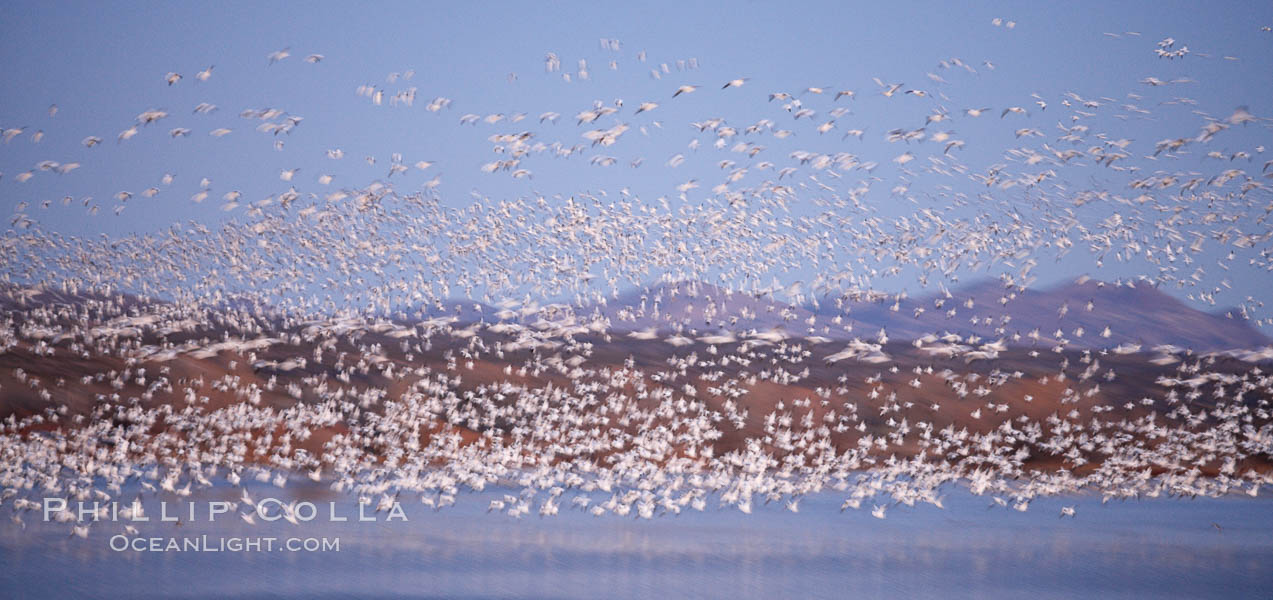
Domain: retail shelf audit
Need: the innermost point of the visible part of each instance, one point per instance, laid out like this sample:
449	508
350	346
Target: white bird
685	89
278	55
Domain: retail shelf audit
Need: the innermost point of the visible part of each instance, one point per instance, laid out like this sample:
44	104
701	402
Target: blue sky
104	64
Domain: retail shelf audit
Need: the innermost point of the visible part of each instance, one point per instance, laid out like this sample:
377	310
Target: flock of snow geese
394	341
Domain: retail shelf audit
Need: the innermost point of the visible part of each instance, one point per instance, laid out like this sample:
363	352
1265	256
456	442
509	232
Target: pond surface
1163	548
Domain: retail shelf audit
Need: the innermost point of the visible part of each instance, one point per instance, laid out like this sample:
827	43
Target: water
1163	548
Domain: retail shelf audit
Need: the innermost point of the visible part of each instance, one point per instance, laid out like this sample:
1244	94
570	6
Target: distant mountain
1080	311
23	297
1135	314
464	311
700	306
1075	315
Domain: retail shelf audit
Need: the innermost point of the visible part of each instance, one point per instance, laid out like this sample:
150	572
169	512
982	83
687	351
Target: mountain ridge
1084	313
